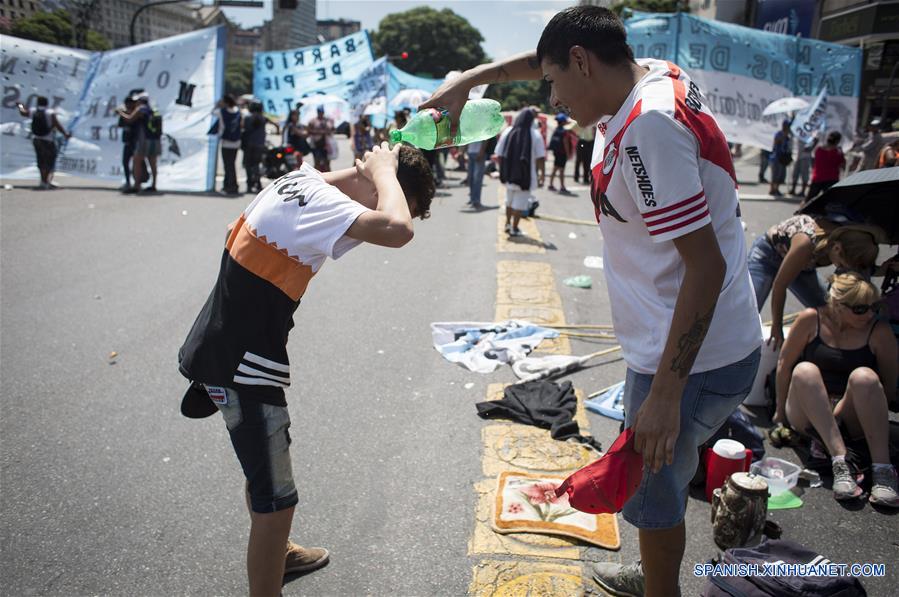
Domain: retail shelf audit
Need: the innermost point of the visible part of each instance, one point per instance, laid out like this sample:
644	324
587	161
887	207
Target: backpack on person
40	123
154	124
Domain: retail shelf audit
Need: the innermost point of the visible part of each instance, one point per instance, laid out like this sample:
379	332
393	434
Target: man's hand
381	159
451	96
656	427
776	340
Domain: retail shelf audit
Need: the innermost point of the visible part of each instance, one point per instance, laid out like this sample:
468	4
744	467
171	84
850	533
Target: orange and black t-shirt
239	339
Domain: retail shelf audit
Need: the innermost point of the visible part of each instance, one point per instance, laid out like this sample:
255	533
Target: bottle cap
395	136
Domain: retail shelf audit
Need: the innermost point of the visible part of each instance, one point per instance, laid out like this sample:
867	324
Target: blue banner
399	80
741	70
281	78
789	17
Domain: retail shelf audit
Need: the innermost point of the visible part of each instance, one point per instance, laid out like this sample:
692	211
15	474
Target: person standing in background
362	137
584	153
803	163
521	154
829	162
43	123
321	131
253	144
476	155
228	115
780	157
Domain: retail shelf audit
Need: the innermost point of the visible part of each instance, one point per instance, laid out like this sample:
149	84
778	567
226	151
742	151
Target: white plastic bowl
780	474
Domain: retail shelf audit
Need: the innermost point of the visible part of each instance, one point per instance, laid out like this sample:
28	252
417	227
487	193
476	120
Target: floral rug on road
526	503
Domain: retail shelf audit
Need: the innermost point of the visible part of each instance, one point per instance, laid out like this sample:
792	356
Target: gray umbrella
870	197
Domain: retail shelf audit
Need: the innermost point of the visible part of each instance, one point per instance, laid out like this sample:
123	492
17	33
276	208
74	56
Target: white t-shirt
662	169
537	151
304	216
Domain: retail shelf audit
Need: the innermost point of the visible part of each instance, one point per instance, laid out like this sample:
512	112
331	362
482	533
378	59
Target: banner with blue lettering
811	120
182	74
281	78
371	84
741	70
31	69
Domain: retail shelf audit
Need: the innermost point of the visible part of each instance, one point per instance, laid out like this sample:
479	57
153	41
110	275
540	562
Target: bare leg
662	551
808	404
509	212
865	406
266	550
516	217
153	170
138	170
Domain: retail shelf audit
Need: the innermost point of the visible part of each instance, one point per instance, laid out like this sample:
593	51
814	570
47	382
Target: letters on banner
282	78
183	76
741	70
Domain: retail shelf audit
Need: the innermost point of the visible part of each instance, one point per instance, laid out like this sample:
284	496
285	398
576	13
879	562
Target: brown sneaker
304	559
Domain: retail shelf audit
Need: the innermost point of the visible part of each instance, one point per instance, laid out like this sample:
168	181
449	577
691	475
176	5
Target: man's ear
580	59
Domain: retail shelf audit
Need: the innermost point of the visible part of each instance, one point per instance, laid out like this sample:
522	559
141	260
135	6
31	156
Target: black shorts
46	153
560	159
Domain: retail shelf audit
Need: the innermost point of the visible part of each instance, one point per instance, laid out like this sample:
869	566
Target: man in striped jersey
665	196
236	352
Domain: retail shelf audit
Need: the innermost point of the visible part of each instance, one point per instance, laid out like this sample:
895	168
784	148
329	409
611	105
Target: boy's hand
379	160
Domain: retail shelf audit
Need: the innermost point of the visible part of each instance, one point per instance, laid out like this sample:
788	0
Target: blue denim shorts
259	434
709	398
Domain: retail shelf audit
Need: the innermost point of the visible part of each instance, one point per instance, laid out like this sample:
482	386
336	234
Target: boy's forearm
521	67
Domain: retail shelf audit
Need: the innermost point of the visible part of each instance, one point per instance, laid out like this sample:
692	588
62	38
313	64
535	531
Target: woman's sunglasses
860	309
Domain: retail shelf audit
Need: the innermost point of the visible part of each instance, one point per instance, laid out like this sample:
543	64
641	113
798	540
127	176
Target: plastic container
428	129
781	475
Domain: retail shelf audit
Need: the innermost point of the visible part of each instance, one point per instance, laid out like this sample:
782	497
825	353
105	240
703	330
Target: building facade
290	27
13	10
331	29
113	20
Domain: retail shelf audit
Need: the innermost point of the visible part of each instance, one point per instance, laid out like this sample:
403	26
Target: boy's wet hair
593	28
416	179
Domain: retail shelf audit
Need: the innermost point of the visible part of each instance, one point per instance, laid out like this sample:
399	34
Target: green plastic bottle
428	129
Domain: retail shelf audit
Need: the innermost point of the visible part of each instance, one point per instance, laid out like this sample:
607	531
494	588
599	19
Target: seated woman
838	369
789	253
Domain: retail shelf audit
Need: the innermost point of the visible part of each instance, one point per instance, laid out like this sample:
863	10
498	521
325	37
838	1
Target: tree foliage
437	41
239	77
651	6
56	28
517	95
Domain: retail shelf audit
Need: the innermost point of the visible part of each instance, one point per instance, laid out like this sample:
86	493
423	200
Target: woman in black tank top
837	369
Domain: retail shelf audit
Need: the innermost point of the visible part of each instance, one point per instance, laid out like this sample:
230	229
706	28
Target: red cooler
725	458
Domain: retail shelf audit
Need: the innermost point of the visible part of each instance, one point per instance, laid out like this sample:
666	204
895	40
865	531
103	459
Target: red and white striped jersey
662	169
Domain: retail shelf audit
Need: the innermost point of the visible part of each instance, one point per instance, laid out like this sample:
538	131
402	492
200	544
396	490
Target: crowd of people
819	163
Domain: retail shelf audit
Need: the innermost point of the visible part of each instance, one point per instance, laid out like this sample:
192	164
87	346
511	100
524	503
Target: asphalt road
107	490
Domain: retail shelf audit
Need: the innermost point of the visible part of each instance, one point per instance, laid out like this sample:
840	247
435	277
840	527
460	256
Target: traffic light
404	55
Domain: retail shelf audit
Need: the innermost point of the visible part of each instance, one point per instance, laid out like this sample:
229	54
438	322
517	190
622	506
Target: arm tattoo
688	345
502	75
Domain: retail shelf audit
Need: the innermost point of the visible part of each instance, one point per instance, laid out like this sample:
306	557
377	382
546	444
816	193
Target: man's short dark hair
416	179
228	99
42	101
594	28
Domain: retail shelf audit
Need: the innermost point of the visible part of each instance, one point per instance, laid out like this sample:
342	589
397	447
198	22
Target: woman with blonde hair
788	254
836	375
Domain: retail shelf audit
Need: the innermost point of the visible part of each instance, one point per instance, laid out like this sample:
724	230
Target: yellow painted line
526	579
527	290
531	242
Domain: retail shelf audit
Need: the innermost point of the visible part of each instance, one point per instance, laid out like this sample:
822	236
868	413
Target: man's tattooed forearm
688	345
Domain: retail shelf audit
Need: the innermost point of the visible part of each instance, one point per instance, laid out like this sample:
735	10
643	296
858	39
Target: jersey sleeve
660	166
324	220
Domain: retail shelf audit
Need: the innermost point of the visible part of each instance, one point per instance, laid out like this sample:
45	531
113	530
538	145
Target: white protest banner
31	69
371	84
282	78
810	120
183	75
740	71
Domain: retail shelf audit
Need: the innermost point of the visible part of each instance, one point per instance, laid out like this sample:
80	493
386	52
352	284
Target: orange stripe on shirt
267	261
